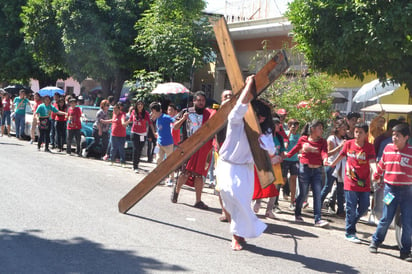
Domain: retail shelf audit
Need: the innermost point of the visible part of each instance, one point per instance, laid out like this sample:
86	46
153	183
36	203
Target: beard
199	110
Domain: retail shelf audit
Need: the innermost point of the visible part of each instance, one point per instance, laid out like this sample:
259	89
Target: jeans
118	148
6	118
96	142
70	134
20	121
329	180
403	198
357	204
309	177
138	144
61	133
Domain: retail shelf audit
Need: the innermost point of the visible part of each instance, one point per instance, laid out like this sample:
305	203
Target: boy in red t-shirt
360	157
74	125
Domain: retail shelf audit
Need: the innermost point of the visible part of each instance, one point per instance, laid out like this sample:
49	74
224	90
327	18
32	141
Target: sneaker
136	170
305	205
406	257
353	239
256	207
292	207
278	210
84	152
270	215
169	182
299	219
31	141
321	223
105	157
373	247
123	165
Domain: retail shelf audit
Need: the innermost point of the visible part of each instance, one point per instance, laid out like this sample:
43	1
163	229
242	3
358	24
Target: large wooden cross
270	72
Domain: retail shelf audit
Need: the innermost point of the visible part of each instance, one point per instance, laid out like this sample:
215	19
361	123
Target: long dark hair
263	109
307	129
136	112
62	108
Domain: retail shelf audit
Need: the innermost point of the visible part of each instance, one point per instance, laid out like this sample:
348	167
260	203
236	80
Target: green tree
305	96
142	85
172	34
97	37
16	62
350	38
43	41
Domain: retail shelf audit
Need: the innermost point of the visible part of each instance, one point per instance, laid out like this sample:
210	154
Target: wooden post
271	71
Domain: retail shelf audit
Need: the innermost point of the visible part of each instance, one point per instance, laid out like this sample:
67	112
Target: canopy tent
389	108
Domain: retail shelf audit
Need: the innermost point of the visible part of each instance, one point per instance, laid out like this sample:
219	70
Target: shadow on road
11	144
315	264
77	255
180	227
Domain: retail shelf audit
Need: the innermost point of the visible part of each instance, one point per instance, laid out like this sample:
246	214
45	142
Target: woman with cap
43	113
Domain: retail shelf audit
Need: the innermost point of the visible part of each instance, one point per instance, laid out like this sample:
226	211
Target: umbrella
50	91
374	89
14	89
338	98
170	88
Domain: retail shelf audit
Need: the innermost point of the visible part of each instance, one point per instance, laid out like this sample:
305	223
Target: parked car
28	125
88	119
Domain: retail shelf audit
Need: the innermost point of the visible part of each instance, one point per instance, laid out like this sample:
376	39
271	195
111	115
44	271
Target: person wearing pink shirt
5	118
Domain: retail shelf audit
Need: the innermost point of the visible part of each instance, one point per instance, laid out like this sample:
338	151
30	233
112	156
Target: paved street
59	215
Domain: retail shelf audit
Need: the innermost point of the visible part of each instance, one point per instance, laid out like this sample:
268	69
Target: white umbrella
373	90
170	88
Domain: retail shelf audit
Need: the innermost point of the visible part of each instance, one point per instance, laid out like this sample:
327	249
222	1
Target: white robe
235	177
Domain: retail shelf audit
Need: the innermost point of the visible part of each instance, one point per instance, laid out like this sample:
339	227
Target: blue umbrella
50	91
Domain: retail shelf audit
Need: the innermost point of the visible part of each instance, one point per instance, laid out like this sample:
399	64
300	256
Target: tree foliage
171	34
350	38
142	85
16	62
305	96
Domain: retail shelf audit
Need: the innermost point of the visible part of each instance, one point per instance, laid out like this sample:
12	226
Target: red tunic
269	191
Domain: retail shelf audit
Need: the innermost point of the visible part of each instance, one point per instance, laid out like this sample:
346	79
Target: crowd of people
342	167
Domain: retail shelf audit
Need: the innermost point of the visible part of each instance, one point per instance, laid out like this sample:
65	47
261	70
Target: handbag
277	170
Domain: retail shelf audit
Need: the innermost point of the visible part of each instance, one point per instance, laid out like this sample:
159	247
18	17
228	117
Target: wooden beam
275	67
261	157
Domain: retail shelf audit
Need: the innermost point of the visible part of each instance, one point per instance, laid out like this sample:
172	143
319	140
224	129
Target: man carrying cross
198	164
235	172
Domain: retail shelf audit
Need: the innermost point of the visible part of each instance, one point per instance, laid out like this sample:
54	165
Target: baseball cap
281	111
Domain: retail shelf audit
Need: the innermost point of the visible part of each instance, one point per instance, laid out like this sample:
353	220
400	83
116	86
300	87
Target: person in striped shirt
396	168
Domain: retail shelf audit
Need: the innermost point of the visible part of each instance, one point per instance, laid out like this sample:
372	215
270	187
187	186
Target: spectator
100	130
291	165
74	126
118	138
377	127
43	113
314	152
53	134
351	120
140	120
335	144
61	124
164	131
37	101
395	167
5	118
360	157
99	99
19	107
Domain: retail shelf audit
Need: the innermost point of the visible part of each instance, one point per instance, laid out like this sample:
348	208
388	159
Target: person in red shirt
140	120
61	124
396	168
6	118
314	152
118	137
74	126
360	157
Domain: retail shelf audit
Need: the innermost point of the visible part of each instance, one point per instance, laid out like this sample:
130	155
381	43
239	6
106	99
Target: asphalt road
59	215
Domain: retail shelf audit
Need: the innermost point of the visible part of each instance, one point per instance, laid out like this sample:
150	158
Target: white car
28	125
